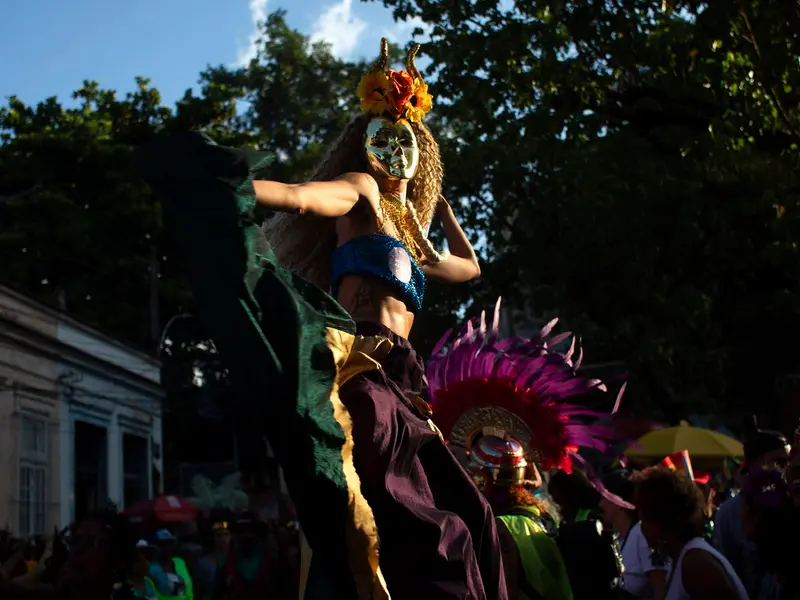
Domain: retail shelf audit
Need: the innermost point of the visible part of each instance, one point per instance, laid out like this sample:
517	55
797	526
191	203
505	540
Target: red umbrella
167	509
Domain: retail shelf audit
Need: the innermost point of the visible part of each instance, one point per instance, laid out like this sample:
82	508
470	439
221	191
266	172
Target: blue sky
50	46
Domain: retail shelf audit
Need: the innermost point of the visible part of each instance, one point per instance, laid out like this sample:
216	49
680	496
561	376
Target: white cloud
401	32
258	14
338	26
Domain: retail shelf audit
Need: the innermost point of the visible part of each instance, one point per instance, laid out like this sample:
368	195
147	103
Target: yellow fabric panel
353	356
305	564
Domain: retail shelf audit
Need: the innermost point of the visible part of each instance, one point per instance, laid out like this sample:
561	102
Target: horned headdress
395	94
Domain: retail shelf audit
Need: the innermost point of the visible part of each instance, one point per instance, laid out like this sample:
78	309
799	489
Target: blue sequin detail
380	257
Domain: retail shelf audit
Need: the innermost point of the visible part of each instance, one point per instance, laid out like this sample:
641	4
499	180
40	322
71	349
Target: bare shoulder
361	219
364	183
704	576
698	560
702	556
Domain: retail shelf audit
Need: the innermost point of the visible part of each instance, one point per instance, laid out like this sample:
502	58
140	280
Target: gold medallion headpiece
396	94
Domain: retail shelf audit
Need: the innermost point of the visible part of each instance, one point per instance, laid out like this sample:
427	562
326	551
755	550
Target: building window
136	470
34	438
33	476
91	468
32	499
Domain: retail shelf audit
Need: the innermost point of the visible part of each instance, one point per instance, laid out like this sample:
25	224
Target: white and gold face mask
391	149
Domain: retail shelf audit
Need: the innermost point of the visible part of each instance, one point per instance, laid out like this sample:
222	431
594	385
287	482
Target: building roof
66	319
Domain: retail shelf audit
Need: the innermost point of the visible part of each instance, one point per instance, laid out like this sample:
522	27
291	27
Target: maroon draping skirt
437	533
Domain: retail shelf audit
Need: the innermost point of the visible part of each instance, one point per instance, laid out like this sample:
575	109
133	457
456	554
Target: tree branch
22	194
770	89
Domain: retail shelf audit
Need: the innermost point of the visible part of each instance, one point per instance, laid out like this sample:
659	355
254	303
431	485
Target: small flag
667	463
702	478
679	461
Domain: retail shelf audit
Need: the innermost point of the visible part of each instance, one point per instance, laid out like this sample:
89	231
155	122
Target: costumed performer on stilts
332	377
505	401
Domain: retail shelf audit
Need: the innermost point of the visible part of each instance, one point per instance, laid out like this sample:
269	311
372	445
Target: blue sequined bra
381	257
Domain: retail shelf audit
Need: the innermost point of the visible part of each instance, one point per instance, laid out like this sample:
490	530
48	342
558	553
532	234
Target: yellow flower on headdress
393	93
373	91
420	103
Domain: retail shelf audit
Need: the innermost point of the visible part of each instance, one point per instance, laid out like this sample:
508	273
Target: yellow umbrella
701	443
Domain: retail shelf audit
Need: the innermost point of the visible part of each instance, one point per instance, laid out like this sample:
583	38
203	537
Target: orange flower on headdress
374	91
420	102
399	93
402	88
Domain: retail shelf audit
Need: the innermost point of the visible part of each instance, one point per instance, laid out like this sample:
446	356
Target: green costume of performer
332	378
531	557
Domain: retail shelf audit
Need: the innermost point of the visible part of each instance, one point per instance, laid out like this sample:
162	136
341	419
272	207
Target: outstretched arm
322	198
462	264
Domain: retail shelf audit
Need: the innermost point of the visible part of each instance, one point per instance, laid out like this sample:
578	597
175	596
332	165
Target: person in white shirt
645	574
670	509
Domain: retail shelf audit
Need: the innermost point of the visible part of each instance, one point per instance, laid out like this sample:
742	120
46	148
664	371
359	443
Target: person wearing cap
644	573
590	551
206	568
169	572
532	560
247	571
577	499
762	448
137	583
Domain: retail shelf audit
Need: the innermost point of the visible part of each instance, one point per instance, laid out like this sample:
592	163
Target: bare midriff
376	302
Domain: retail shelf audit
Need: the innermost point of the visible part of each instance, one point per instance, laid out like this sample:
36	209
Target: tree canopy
82	232
85	233
629	165
635	162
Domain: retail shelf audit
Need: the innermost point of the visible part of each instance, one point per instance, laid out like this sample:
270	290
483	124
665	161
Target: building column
156	461
66	465
114	464
9	450
149	466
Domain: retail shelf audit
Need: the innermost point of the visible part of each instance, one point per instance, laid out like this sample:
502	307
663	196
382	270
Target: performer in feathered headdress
506	402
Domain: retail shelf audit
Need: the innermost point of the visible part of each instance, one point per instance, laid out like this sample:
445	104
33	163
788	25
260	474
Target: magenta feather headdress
515	387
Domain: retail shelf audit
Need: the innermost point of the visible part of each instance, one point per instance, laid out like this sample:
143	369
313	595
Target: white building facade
80	419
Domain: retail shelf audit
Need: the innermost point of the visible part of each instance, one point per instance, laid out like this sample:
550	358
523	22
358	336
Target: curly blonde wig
304	243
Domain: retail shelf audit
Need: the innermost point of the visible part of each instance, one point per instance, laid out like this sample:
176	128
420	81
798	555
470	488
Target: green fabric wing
267	322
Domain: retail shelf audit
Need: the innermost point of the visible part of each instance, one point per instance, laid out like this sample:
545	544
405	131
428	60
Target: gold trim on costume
305	564
496	421
353	356
366	354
